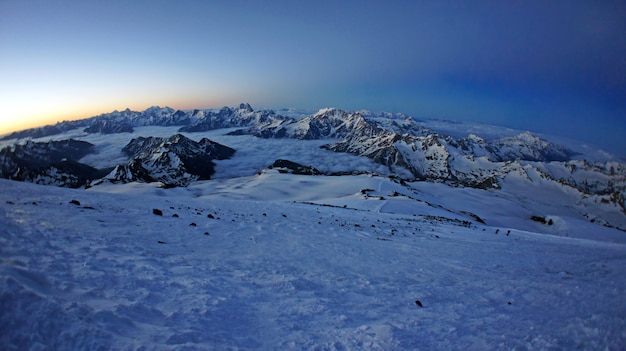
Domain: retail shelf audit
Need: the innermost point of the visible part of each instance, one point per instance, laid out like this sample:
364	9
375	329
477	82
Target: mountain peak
246	107
527	136
326	111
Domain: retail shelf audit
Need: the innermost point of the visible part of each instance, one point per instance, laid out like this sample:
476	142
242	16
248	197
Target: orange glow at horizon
26	118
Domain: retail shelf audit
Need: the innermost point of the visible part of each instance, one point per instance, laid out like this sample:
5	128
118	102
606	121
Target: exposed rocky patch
286	166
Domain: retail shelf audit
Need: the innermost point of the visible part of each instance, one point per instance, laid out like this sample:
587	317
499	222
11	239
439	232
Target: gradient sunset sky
557	67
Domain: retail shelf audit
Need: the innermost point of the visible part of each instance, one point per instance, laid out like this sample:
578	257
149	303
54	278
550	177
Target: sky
548	66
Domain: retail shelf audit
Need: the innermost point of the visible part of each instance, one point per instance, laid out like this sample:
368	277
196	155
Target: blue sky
546	66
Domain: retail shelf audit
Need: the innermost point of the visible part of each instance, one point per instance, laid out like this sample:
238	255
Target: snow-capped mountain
53	163
227	117
527	147
125	121
425	157
174	161
328	123
109	127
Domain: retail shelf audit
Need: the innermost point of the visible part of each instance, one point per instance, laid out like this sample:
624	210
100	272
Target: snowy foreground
275	263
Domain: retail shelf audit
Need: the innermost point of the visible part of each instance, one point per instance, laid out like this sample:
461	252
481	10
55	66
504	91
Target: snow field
277	274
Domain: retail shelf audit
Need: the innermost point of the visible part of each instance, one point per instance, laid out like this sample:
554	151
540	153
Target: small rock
157	212
210	216
75	202
192	224
419	303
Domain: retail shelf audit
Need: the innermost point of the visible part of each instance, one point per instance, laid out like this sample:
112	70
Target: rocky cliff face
33	160
426	158
66	173
173	161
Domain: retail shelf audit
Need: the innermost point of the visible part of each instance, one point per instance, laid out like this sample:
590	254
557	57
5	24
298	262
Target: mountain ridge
398	142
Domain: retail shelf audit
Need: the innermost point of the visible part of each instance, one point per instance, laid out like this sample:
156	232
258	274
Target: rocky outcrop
49	163
173	161
286	166
19	159
66	173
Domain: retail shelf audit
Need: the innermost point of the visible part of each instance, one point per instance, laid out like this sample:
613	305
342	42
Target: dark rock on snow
286	166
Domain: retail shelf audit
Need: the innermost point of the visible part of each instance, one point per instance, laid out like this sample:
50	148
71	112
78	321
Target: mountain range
403	145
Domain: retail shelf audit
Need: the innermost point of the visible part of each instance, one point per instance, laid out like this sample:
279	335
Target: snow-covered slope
379	268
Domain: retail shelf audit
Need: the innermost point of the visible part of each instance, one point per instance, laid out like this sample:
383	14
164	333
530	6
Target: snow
258	260
459	129
291	262
325	110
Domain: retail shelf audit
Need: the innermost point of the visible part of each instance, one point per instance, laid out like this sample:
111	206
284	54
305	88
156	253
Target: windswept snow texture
377	269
